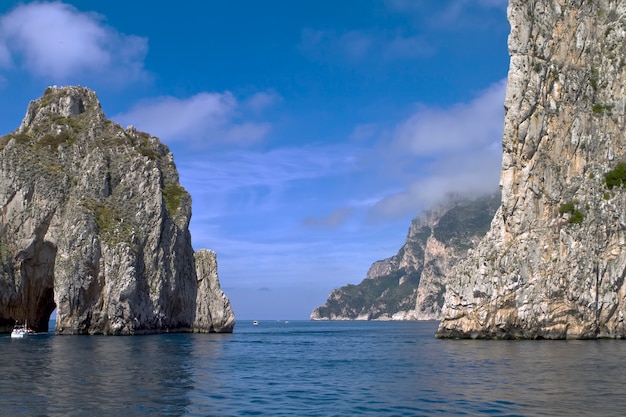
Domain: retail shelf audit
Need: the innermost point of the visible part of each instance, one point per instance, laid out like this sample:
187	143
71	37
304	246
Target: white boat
21	330
255	323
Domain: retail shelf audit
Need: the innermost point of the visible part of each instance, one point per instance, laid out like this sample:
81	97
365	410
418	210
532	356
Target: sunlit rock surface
213	311
95	224
554	261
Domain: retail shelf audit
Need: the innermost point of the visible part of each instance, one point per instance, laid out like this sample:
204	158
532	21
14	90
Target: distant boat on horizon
255	323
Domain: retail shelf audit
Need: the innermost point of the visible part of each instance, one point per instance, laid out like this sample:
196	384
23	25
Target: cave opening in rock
38	286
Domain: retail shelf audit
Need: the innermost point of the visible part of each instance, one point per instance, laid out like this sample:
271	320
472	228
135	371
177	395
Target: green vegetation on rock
113	226
373	297
576	216
54	140
566	207
173	193
616	177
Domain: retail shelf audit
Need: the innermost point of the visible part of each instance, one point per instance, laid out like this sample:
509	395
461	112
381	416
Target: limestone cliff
554	261
95	224
213	311
411	284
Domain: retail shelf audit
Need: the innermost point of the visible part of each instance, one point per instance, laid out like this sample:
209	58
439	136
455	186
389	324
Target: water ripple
309	369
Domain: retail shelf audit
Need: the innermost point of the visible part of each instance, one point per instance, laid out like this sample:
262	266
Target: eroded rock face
411	284
95	223
213	311
554	261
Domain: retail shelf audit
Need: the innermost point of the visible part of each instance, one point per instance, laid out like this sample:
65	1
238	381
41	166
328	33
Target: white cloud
56	41
464	126
447	151
208	117
474	173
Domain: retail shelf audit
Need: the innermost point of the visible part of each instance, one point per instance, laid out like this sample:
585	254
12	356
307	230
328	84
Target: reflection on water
309	369
97	375
548	378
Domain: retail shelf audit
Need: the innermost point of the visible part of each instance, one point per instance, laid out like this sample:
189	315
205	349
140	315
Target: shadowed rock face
95	224
554	261
213	311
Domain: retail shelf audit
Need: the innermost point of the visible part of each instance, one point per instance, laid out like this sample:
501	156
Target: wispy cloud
449	14
392	173
418	6
206	117
355	46
276	169
452	150
476	124
252	183
56	42
474	173
262	100
334	219
458	11
365	131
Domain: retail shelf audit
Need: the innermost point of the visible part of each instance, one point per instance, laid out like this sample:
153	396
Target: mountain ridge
410	285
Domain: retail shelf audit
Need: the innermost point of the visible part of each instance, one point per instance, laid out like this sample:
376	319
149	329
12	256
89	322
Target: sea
304	368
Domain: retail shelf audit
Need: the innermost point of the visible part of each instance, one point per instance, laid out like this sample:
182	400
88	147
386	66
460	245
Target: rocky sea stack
554	261
94	223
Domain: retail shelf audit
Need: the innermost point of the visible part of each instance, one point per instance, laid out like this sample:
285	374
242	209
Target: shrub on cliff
616	177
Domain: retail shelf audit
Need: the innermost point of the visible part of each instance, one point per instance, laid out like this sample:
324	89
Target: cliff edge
94	223
553	262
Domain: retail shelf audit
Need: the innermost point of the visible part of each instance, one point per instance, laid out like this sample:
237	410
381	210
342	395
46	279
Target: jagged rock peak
554	261
62	102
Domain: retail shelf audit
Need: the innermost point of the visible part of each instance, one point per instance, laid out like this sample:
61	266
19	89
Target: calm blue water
310	369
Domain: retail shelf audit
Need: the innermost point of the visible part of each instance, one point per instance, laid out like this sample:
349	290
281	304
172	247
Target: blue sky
309	133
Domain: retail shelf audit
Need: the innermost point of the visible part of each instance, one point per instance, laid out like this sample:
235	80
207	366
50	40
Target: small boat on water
21	330
255	323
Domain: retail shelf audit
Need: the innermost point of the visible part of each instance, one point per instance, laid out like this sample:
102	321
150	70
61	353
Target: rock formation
554	261
213	311
95	224
411	284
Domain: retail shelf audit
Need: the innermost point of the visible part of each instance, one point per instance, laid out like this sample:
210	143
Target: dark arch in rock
38	278
33	301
